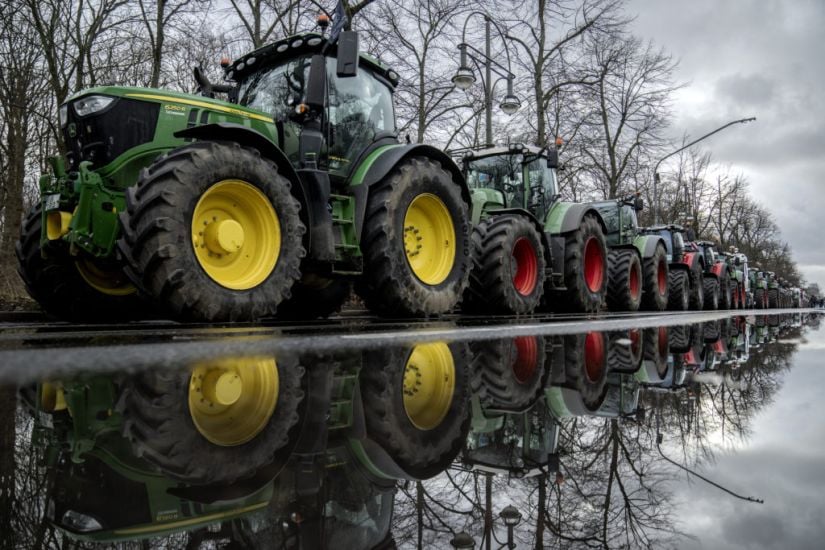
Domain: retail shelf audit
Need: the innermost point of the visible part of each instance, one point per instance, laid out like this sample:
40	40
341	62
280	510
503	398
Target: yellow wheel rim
236	234
111	282
429	384
232	400
429	239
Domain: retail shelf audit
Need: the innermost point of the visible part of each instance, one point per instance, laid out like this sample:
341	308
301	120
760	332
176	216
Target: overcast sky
761	58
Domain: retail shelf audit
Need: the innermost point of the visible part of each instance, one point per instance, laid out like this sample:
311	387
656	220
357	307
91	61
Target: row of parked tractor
296	188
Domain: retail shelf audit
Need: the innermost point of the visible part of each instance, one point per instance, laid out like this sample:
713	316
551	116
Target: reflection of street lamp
511	517
462	540
656	205
464	77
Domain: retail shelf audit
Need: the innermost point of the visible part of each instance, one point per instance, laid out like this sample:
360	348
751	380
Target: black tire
697	290
624	351
711	331
52	277
655	295
315	296
508	266
759	298
586	366
773	298
624	280
727	287
678	337
157	240
509	374
389	286
657	349
678	290
157	421
711	289
419	452
578	295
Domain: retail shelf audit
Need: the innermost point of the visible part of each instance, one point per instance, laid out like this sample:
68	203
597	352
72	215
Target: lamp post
511	517
462	540
679	150
464	77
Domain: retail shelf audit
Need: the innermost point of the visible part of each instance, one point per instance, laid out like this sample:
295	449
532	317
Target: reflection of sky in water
782	462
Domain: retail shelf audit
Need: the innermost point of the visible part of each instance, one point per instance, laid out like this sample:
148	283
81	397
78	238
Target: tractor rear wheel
416	404
223	421
315	296
212	233
678	291
416	241
711	289
655	296
509	374
73	287
624	280
697	290
585	268
508	266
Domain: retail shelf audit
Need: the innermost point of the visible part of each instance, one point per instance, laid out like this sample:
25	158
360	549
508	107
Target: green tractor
282	195
638	269
759	288
530	248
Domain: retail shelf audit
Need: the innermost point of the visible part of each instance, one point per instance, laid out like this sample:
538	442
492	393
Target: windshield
276	90
500	172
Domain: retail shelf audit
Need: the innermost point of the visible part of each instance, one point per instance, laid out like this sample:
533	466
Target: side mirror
206	88
552	158
316	90
347	54
638	204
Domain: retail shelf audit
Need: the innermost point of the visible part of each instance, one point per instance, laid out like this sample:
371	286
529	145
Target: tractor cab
519	176
302	83
672	236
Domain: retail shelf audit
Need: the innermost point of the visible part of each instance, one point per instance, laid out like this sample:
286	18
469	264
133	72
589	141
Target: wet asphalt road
32	347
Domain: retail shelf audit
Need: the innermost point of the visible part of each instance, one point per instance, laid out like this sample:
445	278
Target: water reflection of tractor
216	436
226	210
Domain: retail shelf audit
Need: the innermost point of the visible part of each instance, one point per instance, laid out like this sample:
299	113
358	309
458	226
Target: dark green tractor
638	268
530	248
276	199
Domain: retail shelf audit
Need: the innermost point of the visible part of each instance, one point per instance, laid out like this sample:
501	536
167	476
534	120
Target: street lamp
511	517
657	206
462	540
464	77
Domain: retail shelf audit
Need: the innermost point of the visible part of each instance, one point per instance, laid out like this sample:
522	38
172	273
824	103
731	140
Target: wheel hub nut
224	237
222	387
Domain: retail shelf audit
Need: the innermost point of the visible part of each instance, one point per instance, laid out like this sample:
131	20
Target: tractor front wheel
212	233
508	266
624	280
585	268
415	241
697	289
727	290
678	291
773	298
73	288
655	296
759	298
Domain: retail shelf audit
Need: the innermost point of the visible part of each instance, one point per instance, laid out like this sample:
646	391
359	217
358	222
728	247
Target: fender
248	137
382	160
545	241
690	258
567	216
718	268
647	244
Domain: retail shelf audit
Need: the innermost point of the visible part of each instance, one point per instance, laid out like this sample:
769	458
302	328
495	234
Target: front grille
103	136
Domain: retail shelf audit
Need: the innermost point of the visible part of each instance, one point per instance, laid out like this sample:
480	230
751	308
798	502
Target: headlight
80	522
91	104
63	115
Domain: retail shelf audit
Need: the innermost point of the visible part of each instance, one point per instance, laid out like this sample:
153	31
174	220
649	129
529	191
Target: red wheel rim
635	286
661	277
593	356
593	265
527	267
527	358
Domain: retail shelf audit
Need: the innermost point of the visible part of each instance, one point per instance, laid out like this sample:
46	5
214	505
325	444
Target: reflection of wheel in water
416	403
711	331
679	338
222	421
656	349
585	366
509	374
625	351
